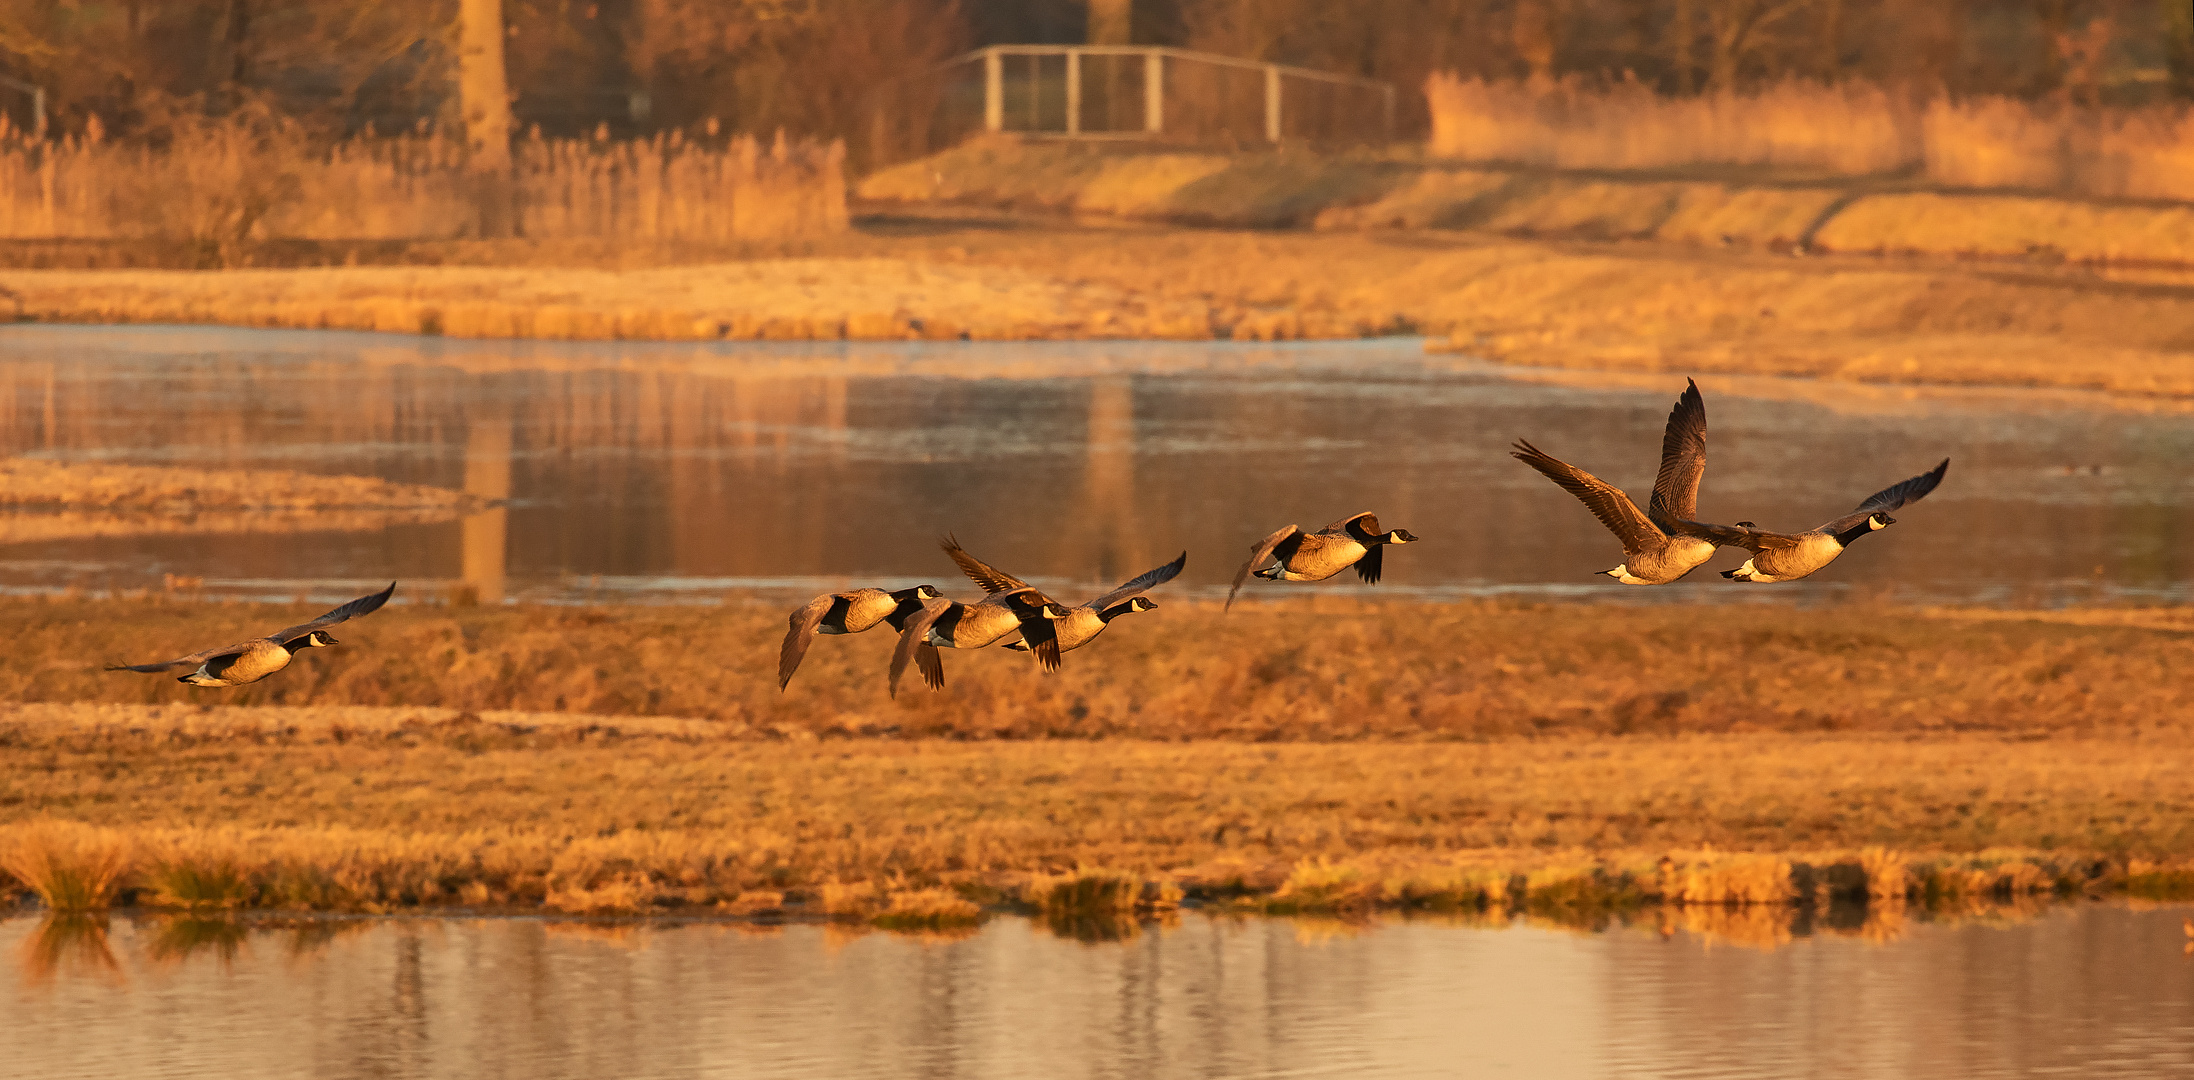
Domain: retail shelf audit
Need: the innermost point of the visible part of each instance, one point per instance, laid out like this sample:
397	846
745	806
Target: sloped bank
1293	189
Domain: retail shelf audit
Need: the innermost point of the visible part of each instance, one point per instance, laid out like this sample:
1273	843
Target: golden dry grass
1319	668
1469	757
339	817
1851	129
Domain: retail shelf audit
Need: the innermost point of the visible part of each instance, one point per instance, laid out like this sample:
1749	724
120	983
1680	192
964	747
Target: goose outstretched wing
1606	501
1258	553
799	633
364	605
1891	497
1144	582
1683	460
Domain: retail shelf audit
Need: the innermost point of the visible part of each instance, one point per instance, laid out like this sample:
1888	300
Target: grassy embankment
1628	273
46	500
1471	757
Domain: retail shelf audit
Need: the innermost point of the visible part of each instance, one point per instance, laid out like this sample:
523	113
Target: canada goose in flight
251	661
1011	605
1082	624
850	613
1663	544
1300	556
1790	556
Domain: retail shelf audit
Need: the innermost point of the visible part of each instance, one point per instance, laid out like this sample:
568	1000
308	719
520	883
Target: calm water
2090	991
672	471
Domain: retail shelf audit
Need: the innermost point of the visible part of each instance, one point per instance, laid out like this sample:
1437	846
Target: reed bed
1847	130
218	186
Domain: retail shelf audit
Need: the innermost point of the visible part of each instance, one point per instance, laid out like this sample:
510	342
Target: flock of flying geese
1660	545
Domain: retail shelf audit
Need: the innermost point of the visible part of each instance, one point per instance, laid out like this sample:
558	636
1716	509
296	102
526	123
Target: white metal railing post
1154	91
994	90
1272	103
1074	91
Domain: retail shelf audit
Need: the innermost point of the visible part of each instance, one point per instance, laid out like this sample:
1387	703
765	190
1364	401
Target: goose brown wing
1743	536
1340	528
364	605
930	664
1683	460
799	632
911	640
1606	501
1144	582
991	579
1891	497
1258	553
184	663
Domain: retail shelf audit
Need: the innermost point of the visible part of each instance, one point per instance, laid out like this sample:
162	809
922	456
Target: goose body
1663	544
250	661
1790	556
1009	605
846	613
1081	625
1305	556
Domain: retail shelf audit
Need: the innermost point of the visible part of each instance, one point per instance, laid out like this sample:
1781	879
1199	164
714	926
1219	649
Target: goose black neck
1856	531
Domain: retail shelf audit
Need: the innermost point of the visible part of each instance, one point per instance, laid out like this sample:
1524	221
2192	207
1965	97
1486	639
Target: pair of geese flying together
251	661
1666	542
1012	612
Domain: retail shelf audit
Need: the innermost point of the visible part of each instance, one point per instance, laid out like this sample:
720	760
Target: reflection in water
661	472
68	944
181	937
2089	990
486	533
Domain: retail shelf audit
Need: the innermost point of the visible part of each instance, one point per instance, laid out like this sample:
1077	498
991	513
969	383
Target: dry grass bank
47	500
1588	306
376	809
1325	670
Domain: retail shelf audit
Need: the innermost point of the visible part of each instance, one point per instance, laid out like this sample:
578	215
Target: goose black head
919	594
1880	521
1133	605
1399	536
318	639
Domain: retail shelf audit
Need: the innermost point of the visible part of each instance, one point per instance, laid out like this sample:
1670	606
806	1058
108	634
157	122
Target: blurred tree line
808	66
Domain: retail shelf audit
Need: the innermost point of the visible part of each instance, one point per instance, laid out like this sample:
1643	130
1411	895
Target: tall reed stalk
216	185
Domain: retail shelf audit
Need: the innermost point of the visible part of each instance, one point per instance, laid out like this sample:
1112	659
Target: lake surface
680	472
2087	990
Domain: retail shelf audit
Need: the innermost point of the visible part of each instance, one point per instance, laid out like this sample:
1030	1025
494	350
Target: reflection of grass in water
180	937
75	942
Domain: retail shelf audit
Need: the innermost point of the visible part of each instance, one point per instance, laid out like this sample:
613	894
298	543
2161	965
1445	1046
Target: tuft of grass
216	869
1724	878
72	867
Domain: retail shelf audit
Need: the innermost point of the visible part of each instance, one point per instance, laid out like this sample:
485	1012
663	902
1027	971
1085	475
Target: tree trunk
2178	20
1111	22
484	97
1683	30
481	90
